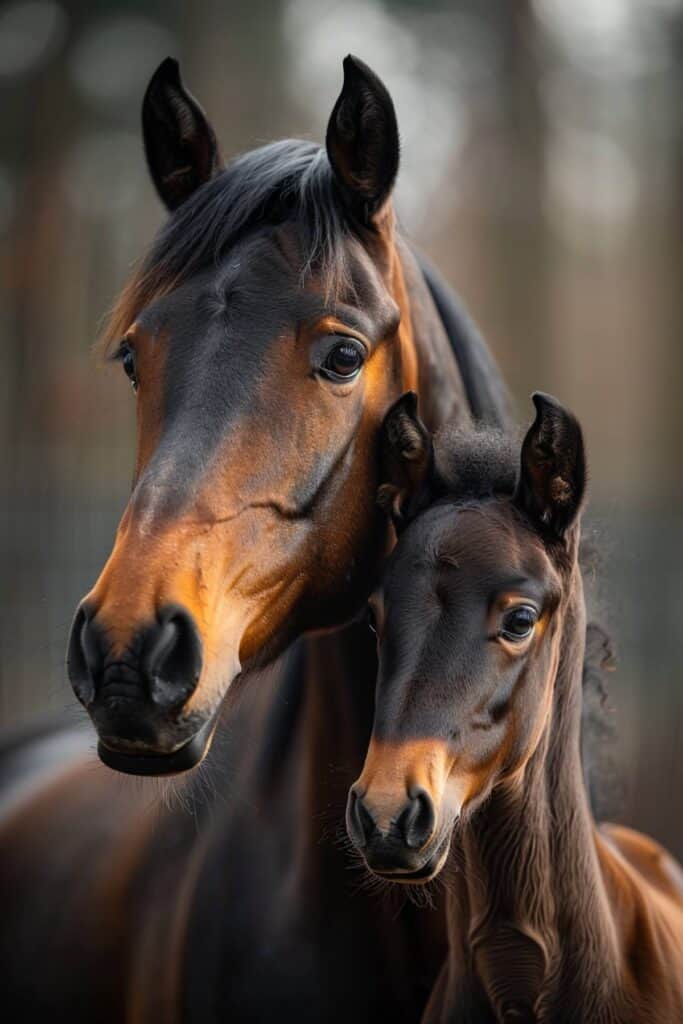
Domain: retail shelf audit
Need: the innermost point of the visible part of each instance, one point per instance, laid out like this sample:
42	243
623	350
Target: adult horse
276	317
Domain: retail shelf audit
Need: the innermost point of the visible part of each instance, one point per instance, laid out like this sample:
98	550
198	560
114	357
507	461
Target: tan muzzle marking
393	769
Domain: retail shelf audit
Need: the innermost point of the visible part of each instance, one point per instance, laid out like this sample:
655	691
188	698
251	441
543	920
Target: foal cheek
530	714
542	695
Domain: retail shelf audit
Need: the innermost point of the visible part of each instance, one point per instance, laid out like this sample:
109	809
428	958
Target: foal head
263	338
468	617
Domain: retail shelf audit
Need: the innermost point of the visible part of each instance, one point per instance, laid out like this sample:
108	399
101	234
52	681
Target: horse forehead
274	260
253	278
257	290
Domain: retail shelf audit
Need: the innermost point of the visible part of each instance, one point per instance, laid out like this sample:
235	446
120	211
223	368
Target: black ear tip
543	401
356	70
169	69
352	65
407	403
168	73
555	418
548	404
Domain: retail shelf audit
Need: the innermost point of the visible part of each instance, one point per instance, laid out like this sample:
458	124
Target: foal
480	621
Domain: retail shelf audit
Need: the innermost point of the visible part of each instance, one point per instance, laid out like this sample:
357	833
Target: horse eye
127	357
518	623
344	361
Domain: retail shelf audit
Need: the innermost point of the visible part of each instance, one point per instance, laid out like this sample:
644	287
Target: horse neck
534	909
428	363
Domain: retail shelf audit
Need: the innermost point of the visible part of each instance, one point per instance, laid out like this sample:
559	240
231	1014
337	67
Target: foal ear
180	144
552	478
362	141
406	457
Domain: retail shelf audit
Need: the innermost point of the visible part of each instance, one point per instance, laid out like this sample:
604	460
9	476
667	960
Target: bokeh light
111	61
30	33
102	173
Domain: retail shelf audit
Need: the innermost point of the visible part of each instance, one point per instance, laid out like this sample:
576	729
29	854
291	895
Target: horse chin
133	760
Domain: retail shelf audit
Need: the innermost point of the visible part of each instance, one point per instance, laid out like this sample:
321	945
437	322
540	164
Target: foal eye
344	361
518	623
127	357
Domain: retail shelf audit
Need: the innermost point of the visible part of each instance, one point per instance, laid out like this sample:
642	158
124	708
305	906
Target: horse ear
552	478
180	144
362	141
406	458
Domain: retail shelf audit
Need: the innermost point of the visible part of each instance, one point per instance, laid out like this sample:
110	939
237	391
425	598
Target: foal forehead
484	540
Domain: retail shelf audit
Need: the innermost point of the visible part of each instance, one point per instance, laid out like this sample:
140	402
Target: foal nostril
417	819
359	822
84	655
172	657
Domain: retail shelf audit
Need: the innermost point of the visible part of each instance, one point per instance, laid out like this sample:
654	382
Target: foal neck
532	910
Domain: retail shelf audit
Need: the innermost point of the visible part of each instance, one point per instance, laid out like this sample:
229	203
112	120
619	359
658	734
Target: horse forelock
289	181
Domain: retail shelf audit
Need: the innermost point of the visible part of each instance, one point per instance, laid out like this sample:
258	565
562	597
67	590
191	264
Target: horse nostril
84	655
359	822
167	669
417	819
172	657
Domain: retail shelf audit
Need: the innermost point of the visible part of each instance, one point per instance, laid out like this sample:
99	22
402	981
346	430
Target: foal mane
598	729
288	180
475	462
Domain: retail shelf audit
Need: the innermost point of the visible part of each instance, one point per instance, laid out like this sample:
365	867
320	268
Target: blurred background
543	172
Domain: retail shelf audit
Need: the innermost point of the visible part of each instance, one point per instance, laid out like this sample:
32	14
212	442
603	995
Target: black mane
286	179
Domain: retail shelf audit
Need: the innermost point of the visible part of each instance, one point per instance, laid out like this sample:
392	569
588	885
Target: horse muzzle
136	695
